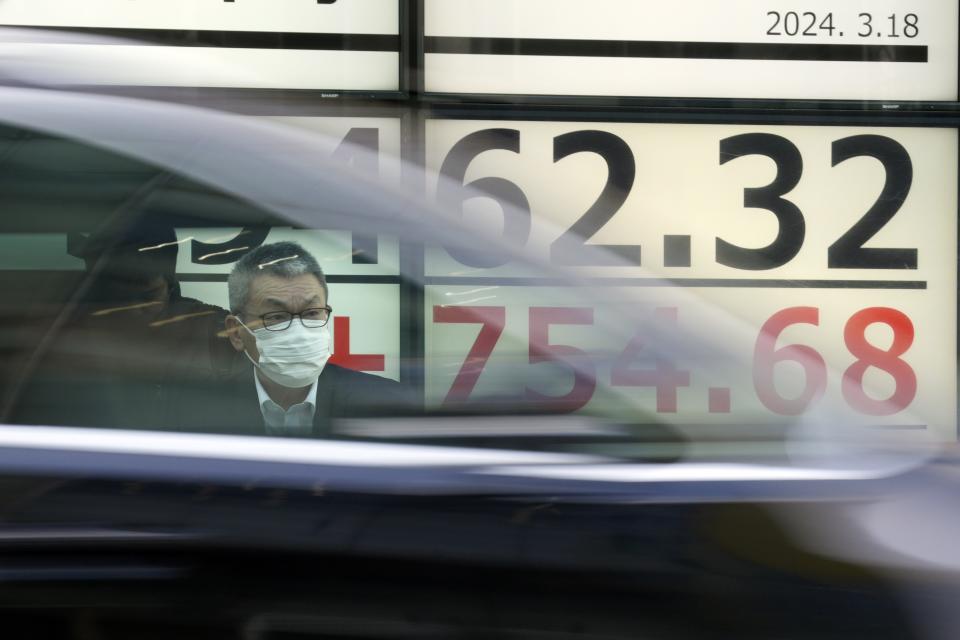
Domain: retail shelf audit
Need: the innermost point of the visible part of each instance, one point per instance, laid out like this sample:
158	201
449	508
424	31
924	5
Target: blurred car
511	504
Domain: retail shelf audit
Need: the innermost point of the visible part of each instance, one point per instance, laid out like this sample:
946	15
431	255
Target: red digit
665	377
765	357
493	320
341	349
854	336
584	370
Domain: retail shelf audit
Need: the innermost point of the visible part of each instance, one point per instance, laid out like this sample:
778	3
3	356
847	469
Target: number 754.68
666	378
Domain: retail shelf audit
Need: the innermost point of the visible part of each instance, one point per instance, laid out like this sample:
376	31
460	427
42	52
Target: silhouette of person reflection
129	336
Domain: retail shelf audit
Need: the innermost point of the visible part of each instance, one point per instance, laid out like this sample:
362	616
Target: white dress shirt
295	421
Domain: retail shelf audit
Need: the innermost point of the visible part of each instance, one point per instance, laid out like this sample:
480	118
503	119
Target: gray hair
281	259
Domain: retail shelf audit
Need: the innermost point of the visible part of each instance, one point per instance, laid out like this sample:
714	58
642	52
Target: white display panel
304	16
249	44
365	325
339	252
865	362
839	239
884	50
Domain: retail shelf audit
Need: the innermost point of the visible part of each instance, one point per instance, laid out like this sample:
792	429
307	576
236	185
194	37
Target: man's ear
232	323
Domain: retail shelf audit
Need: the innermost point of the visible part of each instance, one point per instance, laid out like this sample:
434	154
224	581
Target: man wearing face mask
280	321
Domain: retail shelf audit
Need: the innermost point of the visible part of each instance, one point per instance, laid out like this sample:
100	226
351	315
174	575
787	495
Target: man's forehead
267	286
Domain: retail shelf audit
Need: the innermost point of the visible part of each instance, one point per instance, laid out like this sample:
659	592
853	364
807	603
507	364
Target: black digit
571	247
786	23
813	23
910	28
366	249
827	24
792	227
848	252
867	20
776	22
893	26
452	193
230	251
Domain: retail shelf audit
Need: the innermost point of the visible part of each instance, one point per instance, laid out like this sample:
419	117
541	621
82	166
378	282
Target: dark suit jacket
112	372
231	406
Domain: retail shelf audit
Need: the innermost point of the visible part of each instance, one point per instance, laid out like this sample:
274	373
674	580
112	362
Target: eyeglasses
312	318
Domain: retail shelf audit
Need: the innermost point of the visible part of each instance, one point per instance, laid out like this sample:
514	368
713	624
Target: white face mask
294	357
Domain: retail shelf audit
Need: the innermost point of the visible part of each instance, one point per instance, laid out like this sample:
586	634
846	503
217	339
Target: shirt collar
264	397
